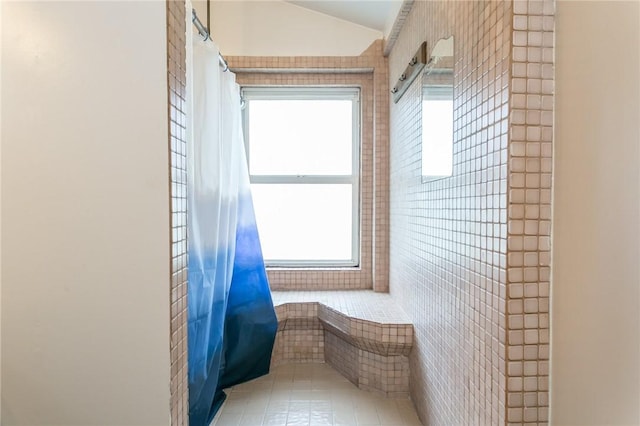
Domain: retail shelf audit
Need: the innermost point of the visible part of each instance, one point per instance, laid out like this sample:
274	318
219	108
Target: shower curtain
231	319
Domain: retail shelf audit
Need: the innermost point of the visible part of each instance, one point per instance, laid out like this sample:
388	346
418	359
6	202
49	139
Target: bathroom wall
85	214
529	211
448	238
176	82
595	356
0	218
469	254
239	29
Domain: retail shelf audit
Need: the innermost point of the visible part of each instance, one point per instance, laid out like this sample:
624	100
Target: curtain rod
205	33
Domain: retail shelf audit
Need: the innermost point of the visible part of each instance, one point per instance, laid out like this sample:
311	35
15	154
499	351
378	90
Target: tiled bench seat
362	334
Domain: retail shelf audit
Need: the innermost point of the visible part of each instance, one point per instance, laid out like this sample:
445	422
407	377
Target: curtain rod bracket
204	32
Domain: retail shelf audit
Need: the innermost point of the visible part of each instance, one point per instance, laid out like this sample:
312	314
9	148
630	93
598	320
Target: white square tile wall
469	254
529	212
177	145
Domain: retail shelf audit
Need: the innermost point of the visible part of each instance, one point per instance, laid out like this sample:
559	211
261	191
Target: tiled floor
310	395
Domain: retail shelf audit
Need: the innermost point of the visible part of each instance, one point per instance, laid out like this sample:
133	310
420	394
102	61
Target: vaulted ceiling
375	14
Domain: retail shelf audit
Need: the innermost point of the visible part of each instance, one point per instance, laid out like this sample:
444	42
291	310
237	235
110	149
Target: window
303	155
437	131
437	112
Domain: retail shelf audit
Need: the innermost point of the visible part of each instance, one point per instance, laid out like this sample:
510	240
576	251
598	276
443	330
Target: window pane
300	137
437	137
304	221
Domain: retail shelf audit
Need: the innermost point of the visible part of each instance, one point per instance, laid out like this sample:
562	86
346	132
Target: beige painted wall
595	377
0	217
85	282
277	28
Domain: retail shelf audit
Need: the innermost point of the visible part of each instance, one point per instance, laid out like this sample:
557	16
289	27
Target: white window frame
351	93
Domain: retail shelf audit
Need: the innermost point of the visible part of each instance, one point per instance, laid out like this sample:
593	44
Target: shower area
231	322
445	283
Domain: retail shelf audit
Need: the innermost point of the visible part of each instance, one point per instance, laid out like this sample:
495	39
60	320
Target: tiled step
367	337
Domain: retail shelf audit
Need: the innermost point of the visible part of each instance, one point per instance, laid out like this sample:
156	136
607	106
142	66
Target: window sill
313	268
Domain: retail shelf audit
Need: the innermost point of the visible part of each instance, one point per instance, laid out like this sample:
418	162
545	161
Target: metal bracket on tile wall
410	73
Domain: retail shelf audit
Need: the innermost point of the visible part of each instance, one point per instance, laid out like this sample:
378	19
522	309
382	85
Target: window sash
289	179
314	93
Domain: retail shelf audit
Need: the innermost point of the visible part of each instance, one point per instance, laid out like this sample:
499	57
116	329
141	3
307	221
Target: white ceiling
375	14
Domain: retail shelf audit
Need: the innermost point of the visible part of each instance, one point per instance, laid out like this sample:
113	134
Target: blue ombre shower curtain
231	319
